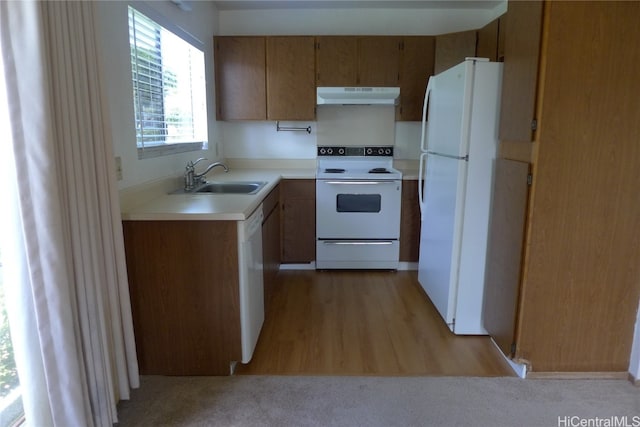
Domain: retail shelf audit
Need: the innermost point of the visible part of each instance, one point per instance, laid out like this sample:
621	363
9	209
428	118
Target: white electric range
358	197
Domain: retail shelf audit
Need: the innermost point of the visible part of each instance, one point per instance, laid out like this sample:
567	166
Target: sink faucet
192	179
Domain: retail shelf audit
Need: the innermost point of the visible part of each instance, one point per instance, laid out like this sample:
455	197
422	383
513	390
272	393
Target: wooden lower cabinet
410	222
298	220
183	280
271	243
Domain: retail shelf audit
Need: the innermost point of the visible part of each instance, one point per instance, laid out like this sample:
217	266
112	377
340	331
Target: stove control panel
356	151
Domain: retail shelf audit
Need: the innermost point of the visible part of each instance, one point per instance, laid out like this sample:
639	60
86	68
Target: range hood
358	95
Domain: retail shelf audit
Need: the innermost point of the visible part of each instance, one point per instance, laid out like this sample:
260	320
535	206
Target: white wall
114	40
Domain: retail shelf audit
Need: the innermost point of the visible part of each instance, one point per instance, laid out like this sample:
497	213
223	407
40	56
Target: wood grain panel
271	243
452	49
291	93
183	279
504	252
417	58
378	60
487	46
298	216
519	78
363	323
582	289
240	78
336	61
410	222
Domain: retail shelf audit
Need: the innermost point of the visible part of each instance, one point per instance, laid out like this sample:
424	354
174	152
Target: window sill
169	149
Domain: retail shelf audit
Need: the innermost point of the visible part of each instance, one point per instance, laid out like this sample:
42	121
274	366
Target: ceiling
357	4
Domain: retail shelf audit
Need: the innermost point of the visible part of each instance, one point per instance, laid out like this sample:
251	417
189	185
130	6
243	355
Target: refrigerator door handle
449	156
427	93
421	172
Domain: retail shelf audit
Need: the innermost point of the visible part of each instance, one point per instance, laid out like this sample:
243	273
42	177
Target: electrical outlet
119	168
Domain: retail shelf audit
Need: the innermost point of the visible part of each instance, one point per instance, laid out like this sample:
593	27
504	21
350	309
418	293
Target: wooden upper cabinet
519	80
291	91
378	61
357	60
336	61
240	78
452	49
487	44
416	66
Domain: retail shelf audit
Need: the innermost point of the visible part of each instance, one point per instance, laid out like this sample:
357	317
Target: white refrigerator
458	143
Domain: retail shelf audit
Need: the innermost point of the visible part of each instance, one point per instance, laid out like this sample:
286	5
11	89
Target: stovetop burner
379	170
356	163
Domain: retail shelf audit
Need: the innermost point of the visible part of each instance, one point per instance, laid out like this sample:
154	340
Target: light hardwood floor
363	323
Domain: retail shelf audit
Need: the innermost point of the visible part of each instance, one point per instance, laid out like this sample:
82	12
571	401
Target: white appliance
358	95
250	269
455	187
358	195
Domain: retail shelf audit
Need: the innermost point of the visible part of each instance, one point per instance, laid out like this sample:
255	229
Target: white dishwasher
251	282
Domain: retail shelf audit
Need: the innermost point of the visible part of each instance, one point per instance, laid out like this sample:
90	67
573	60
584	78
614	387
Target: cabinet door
452	49
520	75
336	61
183	279
416	66
487	46
410	222
240	78
271	243
291	91
298	209
378	61
504	252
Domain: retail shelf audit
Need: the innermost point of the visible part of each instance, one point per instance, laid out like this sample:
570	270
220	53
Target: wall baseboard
579	375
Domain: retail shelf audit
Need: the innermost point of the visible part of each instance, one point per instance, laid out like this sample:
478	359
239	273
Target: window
169	92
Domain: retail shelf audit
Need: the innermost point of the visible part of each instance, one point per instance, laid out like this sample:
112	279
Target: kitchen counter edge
207	207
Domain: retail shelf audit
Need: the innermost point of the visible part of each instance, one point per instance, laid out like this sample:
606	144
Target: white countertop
199	207
154	203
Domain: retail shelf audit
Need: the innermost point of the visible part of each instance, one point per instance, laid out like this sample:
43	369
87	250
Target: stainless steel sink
237	187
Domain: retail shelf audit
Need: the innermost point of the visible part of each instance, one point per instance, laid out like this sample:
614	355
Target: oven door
354	209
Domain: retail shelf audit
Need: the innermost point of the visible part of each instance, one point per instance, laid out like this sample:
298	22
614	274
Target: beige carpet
377	401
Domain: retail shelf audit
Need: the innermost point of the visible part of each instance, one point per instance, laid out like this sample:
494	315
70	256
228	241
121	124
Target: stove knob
387	151
380	151
330	151
341	151
369	151
323	151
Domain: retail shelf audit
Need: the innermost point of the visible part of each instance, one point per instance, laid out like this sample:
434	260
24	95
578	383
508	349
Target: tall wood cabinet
523	31
579	288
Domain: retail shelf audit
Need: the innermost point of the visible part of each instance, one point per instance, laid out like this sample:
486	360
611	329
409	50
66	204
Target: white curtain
62	242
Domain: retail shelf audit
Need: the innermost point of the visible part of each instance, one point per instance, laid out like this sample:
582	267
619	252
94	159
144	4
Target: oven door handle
357	242
359	182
